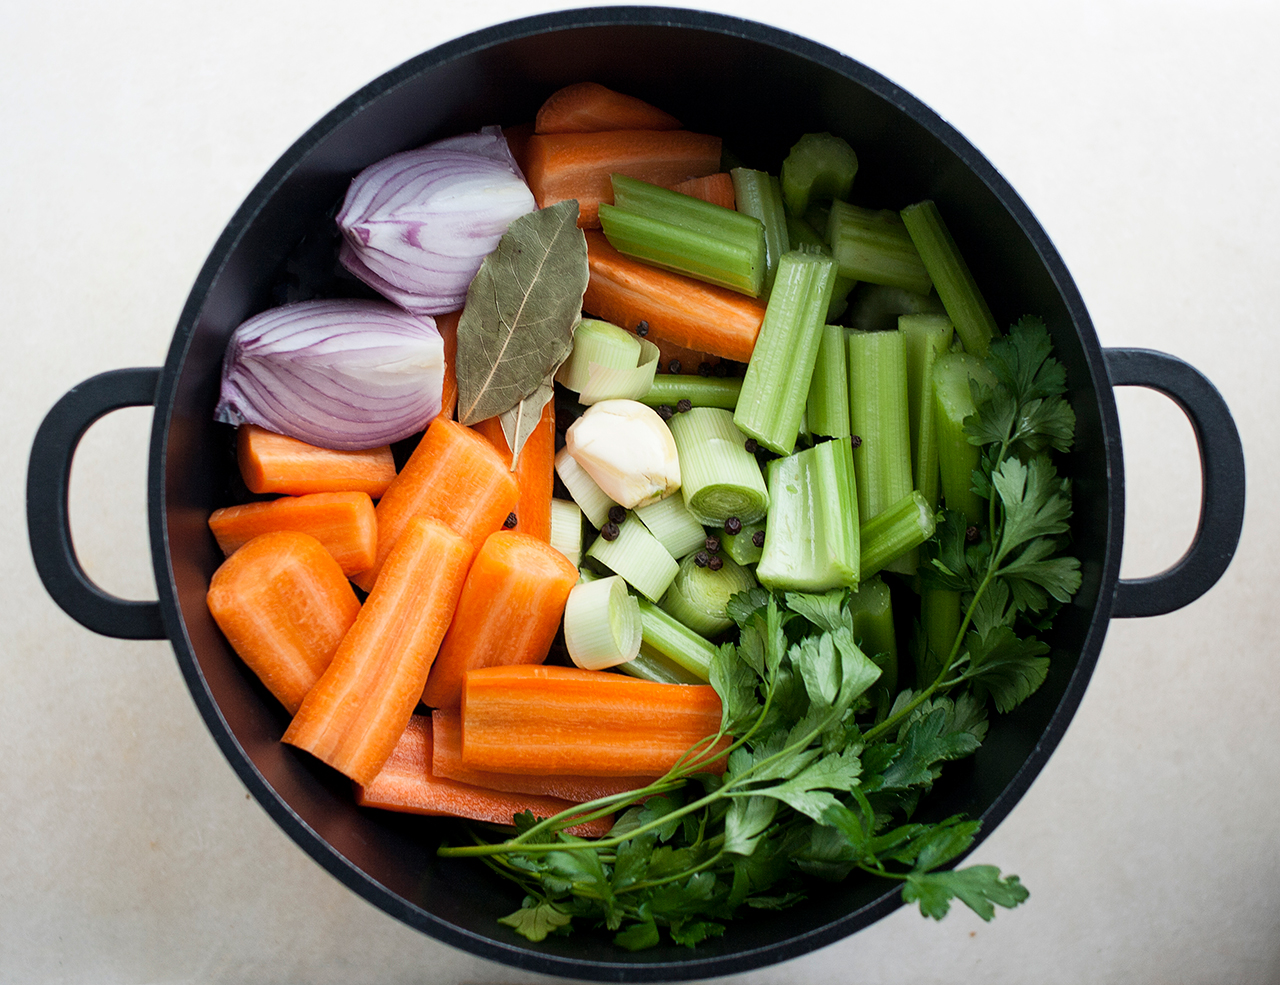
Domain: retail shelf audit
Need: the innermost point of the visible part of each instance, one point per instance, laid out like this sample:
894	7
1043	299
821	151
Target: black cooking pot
759	88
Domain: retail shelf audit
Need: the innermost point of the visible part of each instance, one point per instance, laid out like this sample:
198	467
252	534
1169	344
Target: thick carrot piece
342	521
534	471
508	612
447	326
681	310
587	107
406	783
274	463
559	720
561	166
284	605
714	188
454	476
355	713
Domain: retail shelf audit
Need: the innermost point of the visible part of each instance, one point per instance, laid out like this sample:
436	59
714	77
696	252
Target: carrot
355	713
446	761
586	107
680	310
274	463
405	783
447	326
342	521
453	476
714	188
508	612
578	165
284	605
517	138
535	470
560	720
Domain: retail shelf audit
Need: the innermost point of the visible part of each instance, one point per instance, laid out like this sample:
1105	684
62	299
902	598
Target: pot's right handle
48	522
1222	477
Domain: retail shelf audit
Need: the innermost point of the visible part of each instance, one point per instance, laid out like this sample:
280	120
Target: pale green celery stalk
896	531
819	167
650	665
878	415
812	539
874	246
872	611
600	342
876	307
664	634
566	529
719	478
827	409
940	622
701	391
698	595
804	237
740	546
591	499
759	194
957	457
950	275
676	528
927	337
638	557
777	379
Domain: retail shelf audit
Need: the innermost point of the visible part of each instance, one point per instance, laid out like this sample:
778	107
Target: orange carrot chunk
406	783
586	107
447	326
355	713
578	165
342	521
284	605
679	309
454	476
274	463
534	472
560	720
714	188
508	612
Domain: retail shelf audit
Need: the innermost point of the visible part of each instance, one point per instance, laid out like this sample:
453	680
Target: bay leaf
521	312
520	421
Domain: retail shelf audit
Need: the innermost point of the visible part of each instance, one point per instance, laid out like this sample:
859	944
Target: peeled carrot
342	521
405	783
447	326
274	463
284	605
578	165
534	472
454	476
508	612
714	188
560	720
586	107
679	309
355	713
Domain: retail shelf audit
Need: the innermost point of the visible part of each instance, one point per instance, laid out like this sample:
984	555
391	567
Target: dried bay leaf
522	309
522	419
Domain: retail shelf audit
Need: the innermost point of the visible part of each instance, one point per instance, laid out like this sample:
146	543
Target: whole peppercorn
701	559
971	535
757	538
666	411
856	441
673	366
721	370
704	369
733	525
617	514
715	563
642	329
712	544
609	531
751	445
510	521
684	405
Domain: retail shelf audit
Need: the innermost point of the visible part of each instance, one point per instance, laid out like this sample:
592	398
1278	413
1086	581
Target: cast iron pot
719	75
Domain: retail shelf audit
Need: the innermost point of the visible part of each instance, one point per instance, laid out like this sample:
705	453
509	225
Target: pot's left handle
48	521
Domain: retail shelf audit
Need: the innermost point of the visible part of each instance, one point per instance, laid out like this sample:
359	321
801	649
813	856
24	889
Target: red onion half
416	225
340	374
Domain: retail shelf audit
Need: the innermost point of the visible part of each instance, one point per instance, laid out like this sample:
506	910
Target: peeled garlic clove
627	449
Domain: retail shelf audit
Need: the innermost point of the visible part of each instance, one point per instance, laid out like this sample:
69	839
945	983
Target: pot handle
1222	481
48	522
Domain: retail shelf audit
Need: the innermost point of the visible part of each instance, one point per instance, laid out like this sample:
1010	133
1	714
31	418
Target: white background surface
1144	136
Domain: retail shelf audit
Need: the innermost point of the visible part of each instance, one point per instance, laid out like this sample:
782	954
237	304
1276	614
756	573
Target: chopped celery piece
777	379
742	546
872	611
819	167
805	237
566	529
601	624
676	528
957	458
939	622
874	246
638	557
719	478
591	499
701	391
664	634
650	665
927	338
878	415
827	409
759	194
811	542
877	307
698	595
950	274
900	529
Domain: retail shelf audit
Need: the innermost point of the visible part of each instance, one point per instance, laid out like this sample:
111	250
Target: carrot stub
534	471
342	521
284	605
274	463
714	188
447	326
586	107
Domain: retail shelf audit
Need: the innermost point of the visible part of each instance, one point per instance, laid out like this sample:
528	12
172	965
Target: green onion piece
638	557
957	458
741	546
805	237
874	246
667	635
701	391
827	410
601	624
698	595
650	665
872	612
940	622
811	541
819	167
719	478
566	529
927	337
676	528
599	342
950	274
591	499
896	531
877	307
777	379
878	415
759	194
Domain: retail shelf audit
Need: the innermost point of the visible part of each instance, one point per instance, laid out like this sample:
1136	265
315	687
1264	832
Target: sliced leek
719	477
591	499
566	529
602	626
637	556
676	528
699	594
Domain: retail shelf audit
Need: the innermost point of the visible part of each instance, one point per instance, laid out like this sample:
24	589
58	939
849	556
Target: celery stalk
719	478
663	633
878	414
759	194
819	167
957	458
895	532
650	665
927	337
827	409
701	391
940	622
874	246
876	307
742	546
804	237
872	612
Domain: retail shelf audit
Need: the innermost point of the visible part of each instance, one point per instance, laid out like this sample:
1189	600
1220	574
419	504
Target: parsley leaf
979	887
536	921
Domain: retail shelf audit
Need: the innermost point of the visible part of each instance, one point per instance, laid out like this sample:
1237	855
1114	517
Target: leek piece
636	555
698	595
676	528
650	665
820	167
805	237
878	415
566	529
591	499
872	611
957	458
927	337
759	194
950	274
894	532
777	379
740	546
601	624
664	634
701	391
827	409
811	540
940	622
599	342
877	307
874	246
719	478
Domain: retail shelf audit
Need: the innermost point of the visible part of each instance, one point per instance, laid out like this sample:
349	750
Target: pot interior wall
760	91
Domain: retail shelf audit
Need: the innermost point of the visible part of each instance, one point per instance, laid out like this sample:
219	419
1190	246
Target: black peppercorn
856	441
715	563
666	411
510	521
617	513
971	535
701	559
609	531
704	369
757	538
712	544
733	525
751	445
684	405
673	366
642	329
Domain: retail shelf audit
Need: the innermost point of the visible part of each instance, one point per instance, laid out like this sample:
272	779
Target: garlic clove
627	449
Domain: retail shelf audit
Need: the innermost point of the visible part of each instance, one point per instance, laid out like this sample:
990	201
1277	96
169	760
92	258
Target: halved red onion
416	225
340	374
